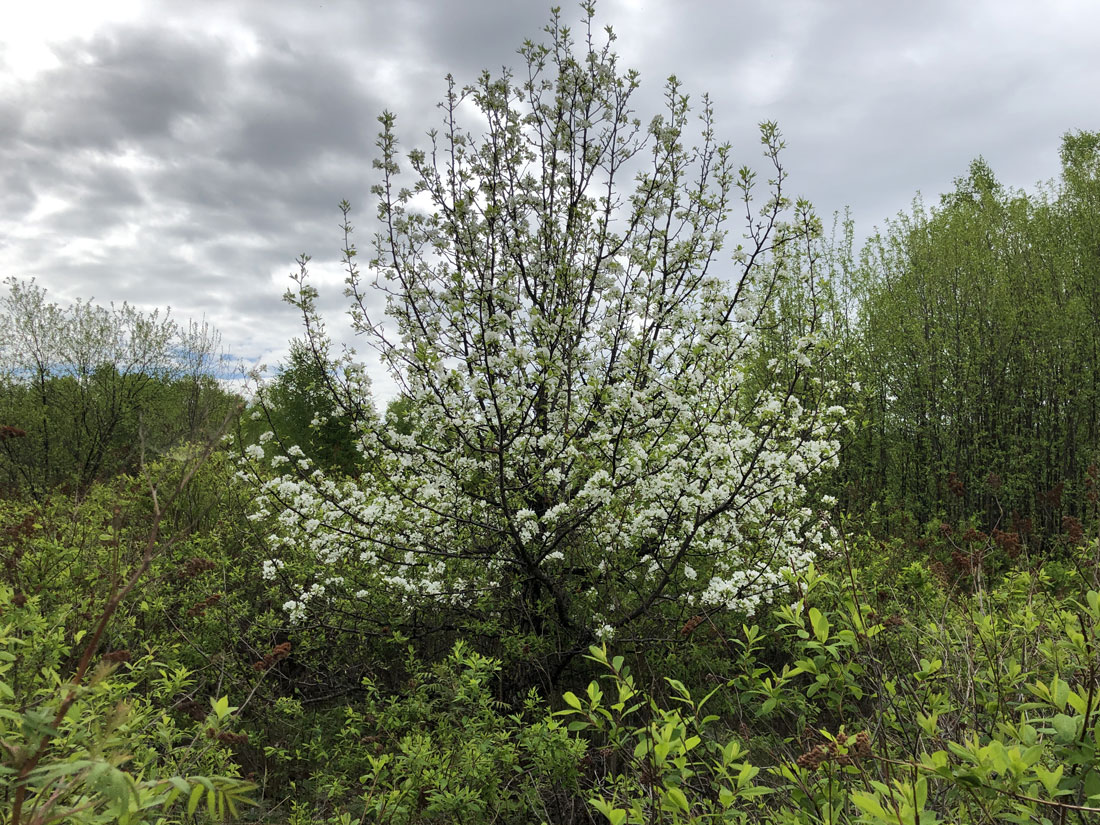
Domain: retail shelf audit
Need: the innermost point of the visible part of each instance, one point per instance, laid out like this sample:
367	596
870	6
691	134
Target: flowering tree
585	437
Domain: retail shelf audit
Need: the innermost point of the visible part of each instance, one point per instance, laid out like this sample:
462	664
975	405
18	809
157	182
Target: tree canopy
979	345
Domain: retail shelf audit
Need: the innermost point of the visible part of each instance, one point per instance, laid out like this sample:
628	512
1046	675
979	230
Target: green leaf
869	804
1091	785
678	686
755	790
1076	701
820	624
1032	755
1028	734
221	707
193	800
594	694
1050	779
1059	693
616	816
920	793
1065	728
677	797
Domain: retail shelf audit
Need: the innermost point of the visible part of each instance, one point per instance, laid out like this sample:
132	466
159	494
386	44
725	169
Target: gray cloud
121	88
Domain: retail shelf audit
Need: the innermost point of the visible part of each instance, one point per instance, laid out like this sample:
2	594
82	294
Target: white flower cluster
674	471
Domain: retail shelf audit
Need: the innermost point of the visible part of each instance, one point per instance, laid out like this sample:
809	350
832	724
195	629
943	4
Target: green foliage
89	700
660	765
965	716
977	349
86	390
442	749
101	749
302	407
70	553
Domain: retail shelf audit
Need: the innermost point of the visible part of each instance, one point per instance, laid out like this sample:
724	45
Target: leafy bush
85	726
441	750
975	716
86	737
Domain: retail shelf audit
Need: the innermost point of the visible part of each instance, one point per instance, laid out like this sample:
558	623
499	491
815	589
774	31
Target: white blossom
270	568
295	610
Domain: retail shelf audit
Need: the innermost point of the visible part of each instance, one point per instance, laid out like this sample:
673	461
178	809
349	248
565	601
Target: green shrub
986	714
91	722
442	750
93	744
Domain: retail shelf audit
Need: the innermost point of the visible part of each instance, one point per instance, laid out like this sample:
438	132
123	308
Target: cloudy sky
182	154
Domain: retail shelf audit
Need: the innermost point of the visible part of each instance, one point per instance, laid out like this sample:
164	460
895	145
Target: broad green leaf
1065	727
1050	779
677	798
820	624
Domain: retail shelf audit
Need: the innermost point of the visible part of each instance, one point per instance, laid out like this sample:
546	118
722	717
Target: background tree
979	344
298	408
90	384
586	448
